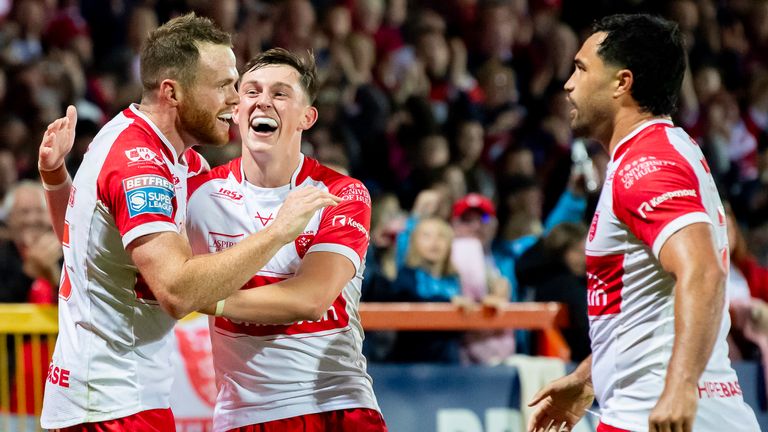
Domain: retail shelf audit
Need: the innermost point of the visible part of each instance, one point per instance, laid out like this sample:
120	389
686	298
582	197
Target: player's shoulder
212	177
336	182
657	154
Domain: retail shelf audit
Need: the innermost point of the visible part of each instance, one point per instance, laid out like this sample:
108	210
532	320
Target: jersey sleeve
662	197
141	198
344	229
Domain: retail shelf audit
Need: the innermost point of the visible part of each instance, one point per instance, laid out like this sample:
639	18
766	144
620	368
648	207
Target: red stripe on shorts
156	420
602	427
350	420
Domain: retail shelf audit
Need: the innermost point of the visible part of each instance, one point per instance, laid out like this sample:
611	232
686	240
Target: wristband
53	188
219	308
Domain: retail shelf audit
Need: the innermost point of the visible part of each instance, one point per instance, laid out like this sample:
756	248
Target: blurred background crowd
452	112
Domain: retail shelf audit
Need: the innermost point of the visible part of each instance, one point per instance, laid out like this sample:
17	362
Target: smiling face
432	241
590	90
208	103
274	109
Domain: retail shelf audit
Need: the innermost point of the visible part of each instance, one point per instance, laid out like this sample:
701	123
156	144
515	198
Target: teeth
264	121
227	116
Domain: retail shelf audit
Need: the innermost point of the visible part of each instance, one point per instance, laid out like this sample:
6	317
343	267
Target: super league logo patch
148	194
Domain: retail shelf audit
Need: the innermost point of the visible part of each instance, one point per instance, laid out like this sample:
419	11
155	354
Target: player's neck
627	121
166	121
268	170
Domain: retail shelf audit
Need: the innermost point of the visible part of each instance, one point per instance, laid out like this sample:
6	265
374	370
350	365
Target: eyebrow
278	84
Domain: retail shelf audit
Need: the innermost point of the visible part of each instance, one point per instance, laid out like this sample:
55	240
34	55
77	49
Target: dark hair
650	47
172	50
280	56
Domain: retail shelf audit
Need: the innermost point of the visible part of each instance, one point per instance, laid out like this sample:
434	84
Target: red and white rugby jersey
657	182
270	372
112	356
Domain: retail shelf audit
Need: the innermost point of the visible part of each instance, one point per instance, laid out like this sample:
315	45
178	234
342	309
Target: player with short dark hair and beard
656	252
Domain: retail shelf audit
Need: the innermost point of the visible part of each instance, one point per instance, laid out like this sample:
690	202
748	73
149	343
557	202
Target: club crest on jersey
593	225
142	154
303	242
148	194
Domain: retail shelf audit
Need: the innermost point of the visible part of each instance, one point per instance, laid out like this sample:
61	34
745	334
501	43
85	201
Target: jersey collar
623	145
296	178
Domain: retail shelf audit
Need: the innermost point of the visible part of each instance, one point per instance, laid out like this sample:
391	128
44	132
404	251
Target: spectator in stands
427	275
30	260
555	270
466	152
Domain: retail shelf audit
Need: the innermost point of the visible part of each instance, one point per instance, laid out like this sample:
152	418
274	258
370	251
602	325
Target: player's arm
306	296
183	283
691	257
56	144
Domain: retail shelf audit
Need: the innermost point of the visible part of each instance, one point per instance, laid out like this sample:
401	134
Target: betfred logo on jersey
604	284
148	194
631	172
217	242
142	154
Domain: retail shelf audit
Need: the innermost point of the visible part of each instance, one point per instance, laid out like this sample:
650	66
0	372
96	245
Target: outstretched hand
560	404
57	141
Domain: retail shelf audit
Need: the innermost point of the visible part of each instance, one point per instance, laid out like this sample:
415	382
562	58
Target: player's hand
560	404
675	411
298	208
57	141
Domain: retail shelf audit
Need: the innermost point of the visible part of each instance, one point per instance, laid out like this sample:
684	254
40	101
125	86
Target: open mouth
263	125
225	118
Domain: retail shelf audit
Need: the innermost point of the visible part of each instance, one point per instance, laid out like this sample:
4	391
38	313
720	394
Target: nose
232	98
568	86
264	101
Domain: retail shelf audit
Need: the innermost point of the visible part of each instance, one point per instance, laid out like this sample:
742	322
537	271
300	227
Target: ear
624	81
170	92
309	118
235	114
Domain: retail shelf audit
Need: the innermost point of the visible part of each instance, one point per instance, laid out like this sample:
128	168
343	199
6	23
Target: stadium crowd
451	112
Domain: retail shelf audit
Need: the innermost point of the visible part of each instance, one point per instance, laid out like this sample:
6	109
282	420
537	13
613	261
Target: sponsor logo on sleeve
342	220
631	172
148	194
648	206
356	192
